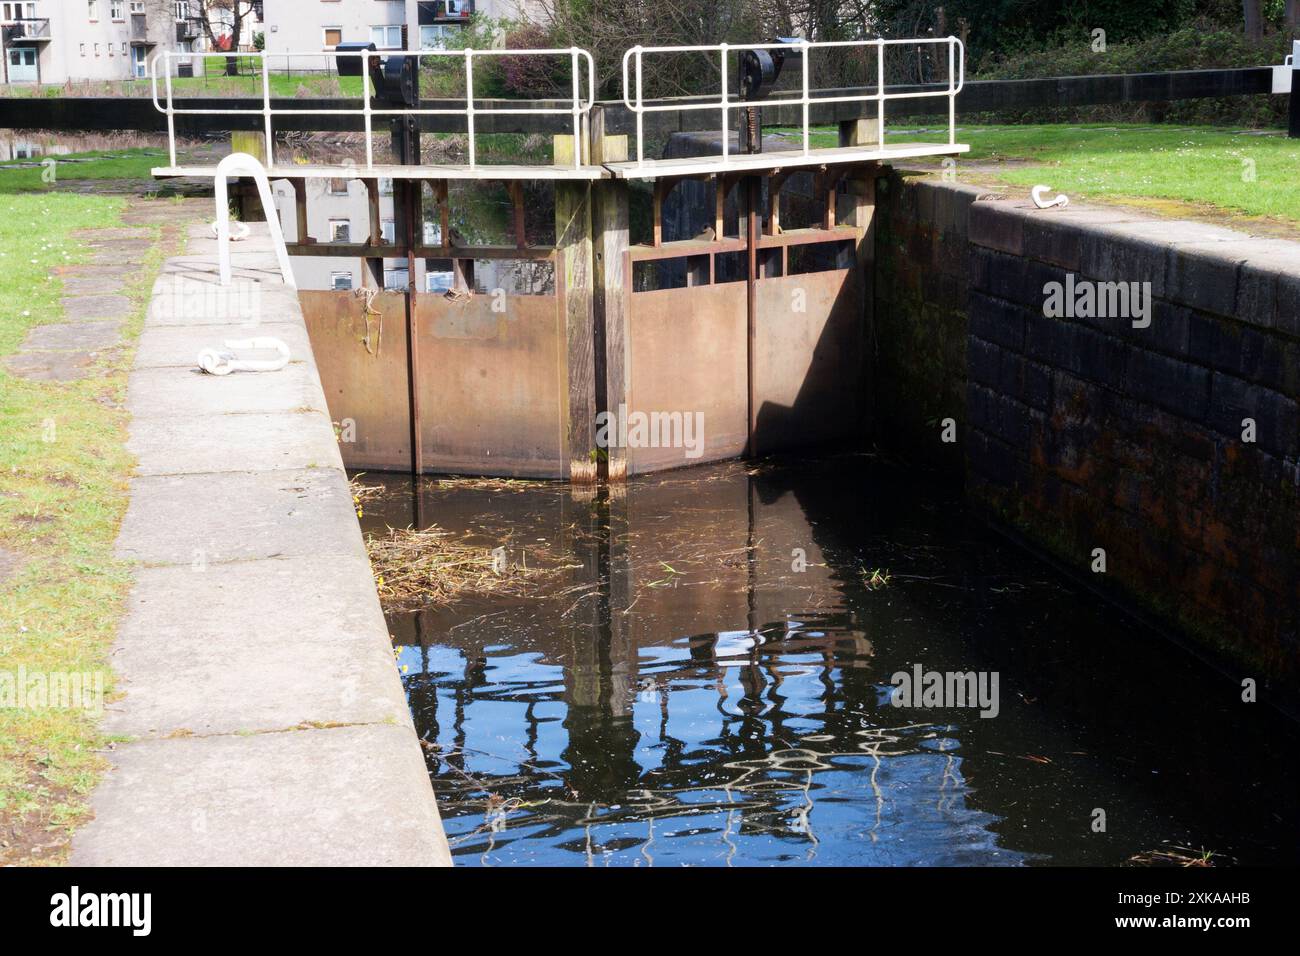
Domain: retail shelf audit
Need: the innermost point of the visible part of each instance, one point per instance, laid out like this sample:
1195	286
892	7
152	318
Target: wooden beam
573	245
611	287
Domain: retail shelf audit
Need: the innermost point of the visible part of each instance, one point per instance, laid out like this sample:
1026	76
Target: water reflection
688	695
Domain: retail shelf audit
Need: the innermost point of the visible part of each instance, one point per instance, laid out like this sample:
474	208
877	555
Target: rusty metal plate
365	390
492	387
687	353
809	366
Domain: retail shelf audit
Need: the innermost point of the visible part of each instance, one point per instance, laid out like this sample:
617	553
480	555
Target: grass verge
1255	173
63	492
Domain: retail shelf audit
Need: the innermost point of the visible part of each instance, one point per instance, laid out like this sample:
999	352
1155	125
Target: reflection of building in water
338	210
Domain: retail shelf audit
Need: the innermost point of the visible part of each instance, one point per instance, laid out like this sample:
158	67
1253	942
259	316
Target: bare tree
222	22
1254	19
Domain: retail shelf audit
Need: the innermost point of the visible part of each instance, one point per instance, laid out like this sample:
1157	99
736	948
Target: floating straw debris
433	568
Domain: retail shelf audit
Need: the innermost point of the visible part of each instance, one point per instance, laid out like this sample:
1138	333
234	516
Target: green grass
1191	165
63	491
132	163
247	85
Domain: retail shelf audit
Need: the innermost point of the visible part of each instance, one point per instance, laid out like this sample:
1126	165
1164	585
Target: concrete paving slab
254	646
200	299
177	391
164	345
124	248
243	265
191	444
92	269
74	337
90	308
78	285
340	796
239	516
50	366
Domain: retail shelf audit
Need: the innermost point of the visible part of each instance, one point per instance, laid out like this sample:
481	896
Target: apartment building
306	26
53	41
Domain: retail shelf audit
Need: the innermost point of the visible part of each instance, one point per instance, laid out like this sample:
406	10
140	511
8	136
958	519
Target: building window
340	281
116	10
182	9
385	186
92	10
96	49
340	230
333	36
18	11
395	280
387	37
137	6
438	281
434	36
124	49
83	49
388	230
338	187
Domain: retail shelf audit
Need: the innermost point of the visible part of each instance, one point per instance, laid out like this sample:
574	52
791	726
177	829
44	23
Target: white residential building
307	26
53	41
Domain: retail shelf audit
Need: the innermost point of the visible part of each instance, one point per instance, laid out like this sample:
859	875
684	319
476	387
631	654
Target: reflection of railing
27	28
578	108
634	100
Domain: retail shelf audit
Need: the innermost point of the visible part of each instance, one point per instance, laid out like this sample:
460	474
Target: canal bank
1146	436
262	716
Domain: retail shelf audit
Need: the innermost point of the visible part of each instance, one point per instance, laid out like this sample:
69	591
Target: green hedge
1201	44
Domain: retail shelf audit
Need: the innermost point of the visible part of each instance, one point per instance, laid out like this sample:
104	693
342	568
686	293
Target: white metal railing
579	107
727	102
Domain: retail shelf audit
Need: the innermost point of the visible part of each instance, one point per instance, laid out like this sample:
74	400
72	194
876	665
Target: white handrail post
266	111
242	164
640	124
365	103
807	54
577	88
880	92
726	114
171	109
469	102
952	93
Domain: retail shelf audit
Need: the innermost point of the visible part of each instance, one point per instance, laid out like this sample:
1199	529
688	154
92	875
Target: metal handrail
725	102
579	106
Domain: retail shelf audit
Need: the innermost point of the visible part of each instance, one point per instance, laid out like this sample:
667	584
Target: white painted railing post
242	164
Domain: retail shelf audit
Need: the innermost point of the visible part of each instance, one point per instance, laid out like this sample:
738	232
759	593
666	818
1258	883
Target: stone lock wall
1088	432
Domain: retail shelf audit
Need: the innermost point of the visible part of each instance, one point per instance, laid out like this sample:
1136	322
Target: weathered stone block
1174	385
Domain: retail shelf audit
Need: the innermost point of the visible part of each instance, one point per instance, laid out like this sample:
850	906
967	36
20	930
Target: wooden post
300	208
860	198
752	229
612	278
573	279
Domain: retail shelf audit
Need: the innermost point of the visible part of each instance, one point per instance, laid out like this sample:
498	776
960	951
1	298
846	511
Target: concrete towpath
264	716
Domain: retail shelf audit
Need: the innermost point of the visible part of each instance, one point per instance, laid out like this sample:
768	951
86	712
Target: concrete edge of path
265	718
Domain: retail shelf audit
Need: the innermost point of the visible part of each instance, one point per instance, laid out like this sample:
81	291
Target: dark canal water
687	695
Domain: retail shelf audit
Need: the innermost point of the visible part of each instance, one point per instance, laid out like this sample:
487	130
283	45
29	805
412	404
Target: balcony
26	31
140	30
188	29
445	11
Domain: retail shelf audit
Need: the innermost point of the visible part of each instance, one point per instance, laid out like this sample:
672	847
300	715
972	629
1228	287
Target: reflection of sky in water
742	714
702	794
